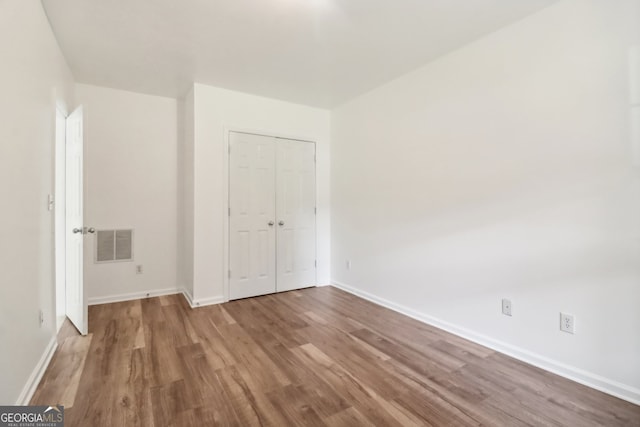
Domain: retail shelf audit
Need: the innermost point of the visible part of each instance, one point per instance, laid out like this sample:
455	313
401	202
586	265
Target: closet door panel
252	240
295	210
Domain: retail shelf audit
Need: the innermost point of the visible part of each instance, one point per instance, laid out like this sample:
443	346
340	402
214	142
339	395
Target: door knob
271	223
91	230
281	223
77	230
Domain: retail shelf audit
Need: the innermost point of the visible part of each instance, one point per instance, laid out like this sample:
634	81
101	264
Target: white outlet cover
506	307
567	323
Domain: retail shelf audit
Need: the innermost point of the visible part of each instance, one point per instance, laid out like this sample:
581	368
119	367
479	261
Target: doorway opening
71	300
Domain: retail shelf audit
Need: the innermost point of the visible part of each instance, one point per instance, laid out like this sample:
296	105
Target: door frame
226	226
59	215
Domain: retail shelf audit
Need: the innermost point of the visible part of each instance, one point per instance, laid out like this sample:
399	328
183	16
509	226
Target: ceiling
314	52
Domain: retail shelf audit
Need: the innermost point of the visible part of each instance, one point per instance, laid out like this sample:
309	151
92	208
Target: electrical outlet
139	269
506	307
567	323
348	264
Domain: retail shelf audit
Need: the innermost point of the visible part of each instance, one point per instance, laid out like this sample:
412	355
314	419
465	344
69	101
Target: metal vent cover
114	245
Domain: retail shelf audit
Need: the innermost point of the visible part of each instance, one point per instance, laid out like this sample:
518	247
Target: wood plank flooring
317	356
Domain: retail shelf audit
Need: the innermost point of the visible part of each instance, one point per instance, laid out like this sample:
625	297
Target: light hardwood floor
317	356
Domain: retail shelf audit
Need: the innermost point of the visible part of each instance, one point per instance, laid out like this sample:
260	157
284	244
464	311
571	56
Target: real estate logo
31	416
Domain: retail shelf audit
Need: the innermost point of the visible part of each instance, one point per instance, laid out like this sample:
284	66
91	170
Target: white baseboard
133	296
188	297
614	388
195	303
35	377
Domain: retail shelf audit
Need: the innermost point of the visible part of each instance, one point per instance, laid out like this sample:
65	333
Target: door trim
59	216
227	129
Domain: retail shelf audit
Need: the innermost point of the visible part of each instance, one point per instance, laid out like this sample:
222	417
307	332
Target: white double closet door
272	215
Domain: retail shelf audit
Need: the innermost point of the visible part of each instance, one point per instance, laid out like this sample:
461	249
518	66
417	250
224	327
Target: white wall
214	111
504	169
33	76
185	193
130	172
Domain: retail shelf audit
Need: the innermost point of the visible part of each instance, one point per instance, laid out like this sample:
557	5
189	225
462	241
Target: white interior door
75	302
296	212
252	230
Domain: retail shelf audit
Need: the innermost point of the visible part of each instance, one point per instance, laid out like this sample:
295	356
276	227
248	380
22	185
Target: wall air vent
114	246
